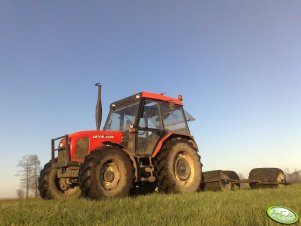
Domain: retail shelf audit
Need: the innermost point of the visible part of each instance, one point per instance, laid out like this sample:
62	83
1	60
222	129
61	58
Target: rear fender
171	136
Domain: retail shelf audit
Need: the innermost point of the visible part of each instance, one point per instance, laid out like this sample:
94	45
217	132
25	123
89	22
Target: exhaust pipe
98	112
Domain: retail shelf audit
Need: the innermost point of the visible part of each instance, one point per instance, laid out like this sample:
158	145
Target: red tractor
145	143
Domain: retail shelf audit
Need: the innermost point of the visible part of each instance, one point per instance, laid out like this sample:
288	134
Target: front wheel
52	187
178	167
106	172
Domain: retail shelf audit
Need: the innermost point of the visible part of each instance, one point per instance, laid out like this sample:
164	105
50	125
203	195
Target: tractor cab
145	118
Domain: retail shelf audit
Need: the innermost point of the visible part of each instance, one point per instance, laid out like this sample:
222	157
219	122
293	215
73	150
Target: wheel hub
109	175
182	169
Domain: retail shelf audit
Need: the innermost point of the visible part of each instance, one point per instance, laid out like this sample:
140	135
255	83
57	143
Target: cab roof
154	96
161	97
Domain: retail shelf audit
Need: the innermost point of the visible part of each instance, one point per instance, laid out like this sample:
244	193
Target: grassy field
244	207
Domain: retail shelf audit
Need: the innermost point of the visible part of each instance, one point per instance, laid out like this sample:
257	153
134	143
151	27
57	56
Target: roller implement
219	180
145	145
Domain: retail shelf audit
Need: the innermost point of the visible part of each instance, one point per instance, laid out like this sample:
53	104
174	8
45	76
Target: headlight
62	144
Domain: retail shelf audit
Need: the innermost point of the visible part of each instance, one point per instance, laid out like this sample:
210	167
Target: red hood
96	139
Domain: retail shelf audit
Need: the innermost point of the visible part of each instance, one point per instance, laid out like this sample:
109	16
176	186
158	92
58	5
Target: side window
150	117
173	118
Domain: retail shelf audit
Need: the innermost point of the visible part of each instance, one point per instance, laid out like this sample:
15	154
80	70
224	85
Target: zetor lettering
102	136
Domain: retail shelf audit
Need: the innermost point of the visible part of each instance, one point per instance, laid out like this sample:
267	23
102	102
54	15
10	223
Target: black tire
50	187
106	172
178	167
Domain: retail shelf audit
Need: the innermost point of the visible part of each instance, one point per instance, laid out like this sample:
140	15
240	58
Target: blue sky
237	64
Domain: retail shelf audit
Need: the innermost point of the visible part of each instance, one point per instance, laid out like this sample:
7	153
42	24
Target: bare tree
30	168
35	171
25	172
20	193
293	177
286	171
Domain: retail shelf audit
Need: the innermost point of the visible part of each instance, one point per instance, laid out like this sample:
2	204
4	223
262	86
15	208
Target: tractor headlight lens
62	144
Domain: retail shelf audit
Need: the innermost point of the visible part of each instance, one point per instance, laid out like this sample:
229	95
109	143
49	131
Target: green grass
244	207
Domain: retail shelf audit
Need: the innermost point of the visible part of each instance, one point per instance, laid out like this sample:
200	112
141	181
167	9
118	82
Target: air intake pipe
98	112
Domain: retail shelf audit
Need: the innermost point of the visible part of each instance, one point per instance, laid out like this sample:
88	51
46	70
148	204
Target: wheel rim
109	175
183	168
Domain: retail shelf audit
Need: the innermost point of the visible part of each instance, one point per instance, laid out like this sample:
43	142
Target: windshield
122	118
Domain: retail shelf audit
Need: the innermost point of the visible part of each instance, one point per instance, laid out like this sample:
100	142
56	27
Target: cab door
149	128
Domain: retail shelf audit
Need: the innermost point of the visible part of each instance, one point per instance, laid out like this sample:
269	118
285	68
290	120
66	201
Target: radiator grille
82	147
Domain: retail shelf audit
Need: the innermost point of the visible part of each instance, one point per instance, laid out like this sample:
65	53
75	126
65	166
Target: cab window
174	118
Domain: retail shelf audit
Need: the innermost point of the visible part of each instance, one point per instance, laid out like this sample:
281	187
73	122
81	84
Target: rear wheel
178	167
52	187
106	172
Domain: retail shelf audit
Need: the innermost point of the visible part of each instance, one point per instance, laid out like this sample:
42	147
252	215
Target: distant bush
294	177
